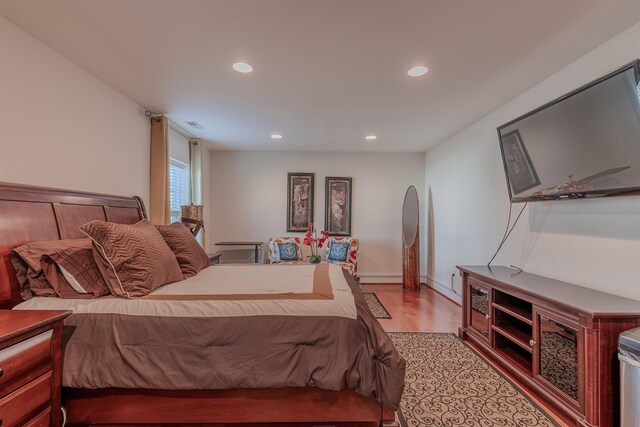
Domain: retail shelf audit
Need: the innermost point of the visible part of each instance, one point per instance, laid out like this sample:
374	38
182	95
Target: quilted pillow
189	254
338	251
133	259
288	251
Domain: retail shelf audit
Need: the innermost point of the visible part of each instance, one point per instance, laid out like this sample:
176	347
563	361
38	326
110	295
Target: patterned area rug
376	306
448	384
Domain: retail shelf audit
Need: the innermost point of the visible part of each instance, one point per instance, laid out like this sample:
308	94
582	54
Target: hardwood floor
416	310
426	310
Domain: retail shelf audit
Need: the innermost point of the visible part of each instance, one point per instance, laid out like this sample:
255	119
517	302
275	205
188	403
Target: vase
314	259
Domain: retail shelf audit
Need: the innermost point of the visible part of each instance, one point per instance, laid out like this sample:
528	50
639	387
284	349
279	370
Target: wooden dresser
30	367
558	339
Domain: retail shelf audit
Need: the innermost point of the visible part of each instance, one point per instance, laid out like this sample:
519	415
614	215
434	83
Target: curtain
160	210
195	161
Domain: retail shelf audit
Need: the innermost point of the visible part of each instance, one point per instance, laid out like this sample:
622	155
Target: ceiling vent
195	125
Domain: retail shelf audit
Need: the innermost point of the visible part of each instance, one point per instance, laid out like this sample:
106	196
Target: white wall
249	199
593	243
62	127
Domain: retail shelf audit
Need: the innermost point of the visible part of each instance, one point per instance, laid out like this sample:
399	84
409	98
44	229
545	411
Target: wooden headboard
30	213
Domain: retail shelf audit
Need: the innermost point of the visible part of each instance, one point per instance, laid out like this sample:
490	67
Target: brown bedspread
196	353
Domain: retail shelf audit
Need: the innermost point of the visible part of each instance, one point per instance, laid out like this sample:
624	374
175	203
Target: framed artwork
299	201
522	173
337	212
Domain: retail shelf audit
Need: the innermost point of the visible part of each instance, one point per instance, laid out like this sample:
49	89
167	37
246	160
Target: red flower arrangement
312	240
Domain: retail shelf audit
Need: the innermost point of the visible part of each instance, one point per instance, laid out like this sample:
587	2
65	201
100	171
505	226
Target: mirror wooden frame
411	243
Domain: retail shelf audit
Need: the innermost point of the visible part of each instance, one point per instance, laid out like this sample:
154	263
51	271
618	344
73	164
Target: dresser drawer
40	420
24	361
22	404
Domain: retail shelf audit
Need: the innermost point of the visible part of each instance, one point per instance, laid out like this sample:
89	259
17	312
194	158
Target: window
179	181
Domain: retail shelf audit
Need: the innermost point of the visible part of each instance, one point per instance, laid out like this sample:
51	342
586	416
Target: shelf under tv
517	312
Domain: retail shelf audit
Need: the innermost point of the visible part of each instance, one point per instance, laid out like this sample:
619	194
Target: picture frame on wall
522	173
338	206
300	193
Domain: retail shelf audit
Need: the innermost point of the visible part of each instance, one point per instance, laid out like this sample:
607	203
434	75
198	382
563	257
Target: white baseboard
443	289
373	278
384	278
380	278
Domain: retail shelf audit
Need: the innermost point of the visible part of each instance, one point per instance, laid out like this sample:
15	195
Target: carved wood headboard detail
30	213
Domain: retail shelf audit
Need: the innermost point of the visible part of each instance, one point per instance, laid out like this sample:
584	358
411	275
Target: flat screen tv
583	144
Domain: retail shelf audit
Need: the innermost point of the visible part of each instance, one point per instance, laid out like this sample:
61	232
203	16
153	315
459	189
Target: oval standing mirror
411	239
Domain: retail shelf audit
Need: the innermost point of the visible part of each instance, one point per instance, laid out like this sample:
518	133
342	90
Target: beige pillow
189	254
133	259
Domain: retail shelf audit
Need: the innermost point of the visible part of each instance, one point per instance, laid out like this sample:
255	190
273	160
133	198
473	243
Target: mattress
249	326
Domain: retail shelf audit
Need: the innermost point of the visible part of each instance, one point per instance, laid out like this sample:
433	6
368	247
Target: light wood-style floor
426	311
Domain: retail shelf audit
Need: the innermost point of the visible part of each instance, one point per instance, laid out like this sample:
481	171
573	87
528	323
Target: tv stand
559	340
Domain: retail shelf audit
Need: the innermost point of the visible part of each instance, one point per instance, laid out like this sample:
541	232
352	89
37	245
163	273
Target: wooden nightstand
30	367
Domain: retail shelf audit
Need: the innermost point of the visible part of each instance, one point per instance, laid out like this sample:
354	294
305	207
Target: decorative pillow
288	251
351	262
274	250
338	251
133	259
189	254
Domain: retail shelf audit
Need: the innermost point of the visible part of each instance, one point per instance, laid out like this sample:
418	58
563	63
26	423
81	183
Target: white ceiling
326	72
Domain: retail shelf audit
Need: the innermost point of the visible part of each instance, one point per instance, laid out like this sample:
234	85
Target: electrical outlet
453	276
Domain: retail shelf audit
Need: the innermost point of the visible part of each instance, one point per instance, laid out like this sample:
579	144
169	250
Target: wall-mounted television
583	144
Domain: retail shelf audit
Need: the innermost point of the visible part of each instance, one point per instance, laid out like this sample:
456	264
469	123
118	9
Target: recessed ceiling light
370	137
418	71
242	67
276	136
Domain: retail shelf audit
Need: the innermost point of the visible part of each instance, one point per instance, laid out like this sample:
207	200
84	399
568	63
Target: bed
363	394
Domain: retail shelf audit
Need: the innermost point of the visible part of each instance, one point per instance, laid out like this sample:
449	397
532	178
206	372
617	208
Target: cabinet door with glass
479	313
557	359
